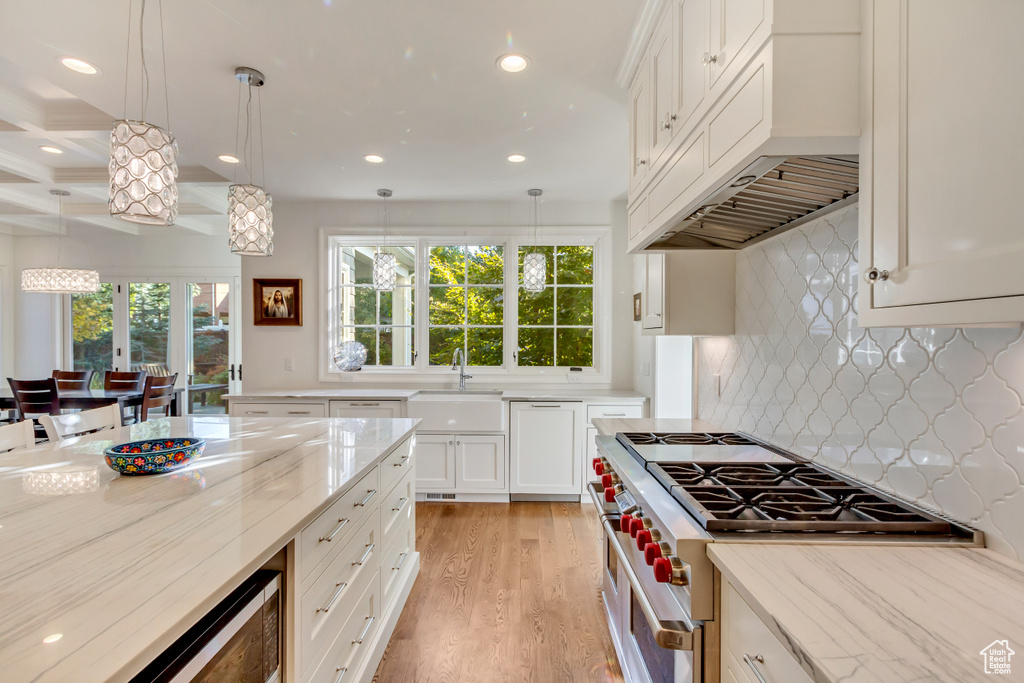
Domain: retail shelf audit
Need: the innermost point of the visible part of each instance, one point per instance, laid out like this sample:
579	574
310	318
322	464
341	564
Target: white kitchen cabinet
435	462
733	24
748	646
290	409
662	74
546	448
639	127
597	411
366	409
940	161
689	293
689	24
480	463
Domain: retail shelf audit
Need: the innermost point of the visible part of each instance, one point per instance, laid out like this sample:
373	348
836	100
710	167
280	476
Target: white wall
296	254
8	282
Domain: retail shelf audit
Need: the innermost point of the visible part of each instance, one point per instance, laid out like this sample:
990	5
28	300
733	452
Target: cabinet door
733	22
691	28
653	298
546	449
480	462
639	125
366	409
946	112
662	69
435	461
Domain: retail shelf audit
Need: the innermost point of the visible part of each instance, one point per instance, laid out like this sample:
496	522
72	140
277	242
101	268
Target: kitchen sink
457	411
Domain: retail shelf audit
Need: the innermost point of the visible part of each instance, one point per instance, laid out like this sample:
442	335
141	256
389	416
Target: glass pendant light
60	280
535	264
250	218
385	266
143	156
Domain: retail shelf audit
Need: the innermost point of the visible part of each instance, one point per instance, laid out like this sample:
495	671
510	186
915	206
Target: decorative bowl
154	456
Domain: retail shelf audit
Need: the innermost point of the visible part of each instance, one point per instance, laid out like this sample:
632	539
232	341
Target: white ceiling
412	80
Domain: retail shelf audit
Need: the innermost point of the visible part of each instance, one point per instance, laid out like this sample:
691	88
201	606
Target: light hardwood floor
505	593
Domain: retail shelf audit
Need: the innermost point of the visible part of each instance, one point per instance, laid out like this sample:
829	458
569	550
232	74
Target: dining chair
35	397
159	393
72	380
125	381
17	435
60	427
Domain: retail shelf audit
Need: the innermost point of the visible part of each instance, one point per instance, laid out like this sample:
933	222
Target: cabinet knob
709	59
873	275
640	162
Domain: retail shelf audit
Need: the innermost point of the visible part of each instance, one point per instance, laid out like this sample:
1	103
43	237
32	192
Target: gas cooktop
705	447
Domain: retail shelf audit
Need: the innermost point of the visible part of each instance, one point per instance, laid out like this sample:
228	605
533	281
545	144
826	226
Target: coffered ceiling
413	81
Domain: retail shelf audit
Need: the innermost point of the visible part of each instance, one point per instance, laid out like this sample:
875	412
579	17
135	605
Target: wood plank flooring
505	593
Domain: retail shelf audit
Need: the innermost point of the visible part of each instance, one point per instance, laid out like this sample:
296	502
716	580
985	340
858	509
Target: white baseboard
421	497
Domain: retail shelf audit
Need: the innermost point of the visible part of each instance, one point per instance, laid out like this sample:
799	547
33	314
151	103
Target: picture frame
637	310
277	302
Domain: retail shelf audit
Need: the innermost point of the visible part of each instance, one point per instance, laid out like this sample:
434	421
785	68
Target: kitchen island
100	573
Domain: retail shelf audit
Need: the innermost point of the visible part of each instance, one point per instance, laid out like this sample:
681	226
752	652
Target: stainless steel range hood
773	194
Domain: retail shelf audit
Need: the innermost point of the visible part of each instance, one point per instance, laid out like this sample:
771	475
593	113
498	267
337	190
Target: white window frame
599	237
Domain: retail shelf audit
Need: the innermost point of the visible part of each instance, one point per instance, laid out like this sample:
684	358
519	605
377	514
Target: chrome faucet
459	360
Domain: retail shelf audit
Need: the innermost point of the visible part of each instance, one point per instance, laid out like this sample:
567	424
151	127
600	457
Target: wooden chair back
17	435
35	396
159	393
123	381
72	380
65	426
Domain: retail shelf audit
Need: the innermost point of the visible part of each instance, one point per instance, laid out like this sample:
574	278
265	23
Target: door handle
232	372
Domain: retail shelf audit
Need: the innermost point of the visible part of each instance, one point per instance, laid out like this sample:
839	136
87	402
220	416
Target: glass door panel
92	332
149	317
210	366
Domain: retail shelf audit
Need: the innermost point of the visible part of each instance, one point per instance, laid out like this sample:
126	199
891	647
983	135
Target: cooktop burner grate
684	439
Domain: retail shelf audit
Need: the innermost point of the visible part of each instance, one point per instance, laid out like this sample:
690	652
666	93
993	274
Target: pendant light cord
60	225
163	58
247	145
127	59
144	76
238	132
263	155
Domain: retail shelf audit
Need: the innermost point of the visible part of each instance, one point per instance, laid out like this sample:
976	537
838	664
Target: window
92	332
382	321
556	326
467	304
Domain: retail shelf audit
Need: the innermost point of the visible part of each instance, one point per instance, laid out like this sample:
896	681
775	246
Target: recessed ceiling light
51	149
374	158
79	66
513	63
53	639
228	159
516	158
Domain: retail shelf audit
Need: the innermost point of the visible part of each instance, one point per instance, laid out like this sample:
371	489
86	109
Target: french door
164	325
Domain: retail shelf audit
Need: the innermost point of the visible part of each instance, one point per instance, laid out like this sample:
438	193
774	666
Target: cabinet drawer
397	507
349	650
744	633
336	525
326	604
596	412
366	409
395	561
396	465
278	410
638	218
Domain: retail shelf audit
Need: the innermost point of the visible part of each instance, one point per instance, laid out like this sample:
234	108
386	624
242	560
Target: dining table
84	399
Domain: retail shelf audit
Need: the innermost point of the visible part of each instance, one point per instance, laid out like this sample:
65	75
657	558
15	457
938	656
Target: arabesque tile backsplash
931	414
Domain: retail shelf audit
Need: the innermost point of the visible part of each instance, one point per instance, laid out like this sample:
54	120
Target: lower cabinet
366	409
435	462
467	463
750	652
546	448
291	409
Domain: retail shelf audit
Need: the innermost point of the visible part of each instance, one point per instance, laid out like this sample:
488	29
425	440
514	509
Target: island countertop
120	567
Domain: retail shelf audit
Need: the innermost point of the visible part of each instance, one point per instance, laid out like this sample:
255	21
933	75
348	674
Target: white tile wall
931	414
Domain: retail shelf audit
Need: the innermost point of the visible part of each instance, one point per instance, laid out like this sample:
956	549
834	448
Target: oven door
658	644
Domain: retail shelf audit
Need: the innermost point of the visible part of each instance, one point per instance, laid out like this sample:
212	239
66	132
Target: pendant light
143	157
385	266
250	219
535	264
60	280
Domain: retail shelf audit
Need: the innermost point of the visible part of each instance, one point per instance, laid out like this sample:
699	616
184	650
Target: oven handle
596	499
671	635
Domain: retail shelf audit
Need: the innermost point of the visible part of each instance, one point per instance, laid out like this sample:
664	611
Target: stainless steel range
665	496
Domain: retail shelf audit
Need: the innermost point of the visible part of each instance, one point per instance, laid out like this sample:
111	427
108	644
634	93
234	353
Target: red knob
609	494
643	537
599	468
606	480
624	522
593	463
635	526
662	570
652	551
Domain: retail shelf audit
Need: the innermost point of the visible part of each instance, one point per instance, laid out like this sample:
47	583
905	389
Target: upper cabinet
729	85
940	241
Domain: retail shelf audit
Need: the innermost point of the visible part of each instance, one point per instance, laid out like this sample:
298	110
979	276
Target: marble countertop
612	426
100	573
370	393
882	613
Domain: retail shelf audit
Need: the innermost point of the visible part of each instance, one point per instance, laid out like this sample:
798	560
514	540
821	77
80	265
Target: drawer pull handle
342	670
365	405
341	586
613	414
402	461
369	494
398	566
753	667
402	505
298	412
369	549
545	405
341	525
369	623
256	412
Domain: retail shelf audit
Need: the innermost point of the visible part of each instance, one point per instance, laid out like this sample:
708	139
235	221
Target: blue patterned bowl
154	456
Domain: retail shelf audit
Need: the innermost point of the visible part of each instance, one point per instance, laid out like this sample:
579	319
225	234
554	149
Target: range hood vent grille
771	193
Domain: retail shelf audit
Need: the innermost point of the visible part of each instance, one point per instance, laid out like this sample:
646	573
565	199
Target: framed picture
636	308
276	302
